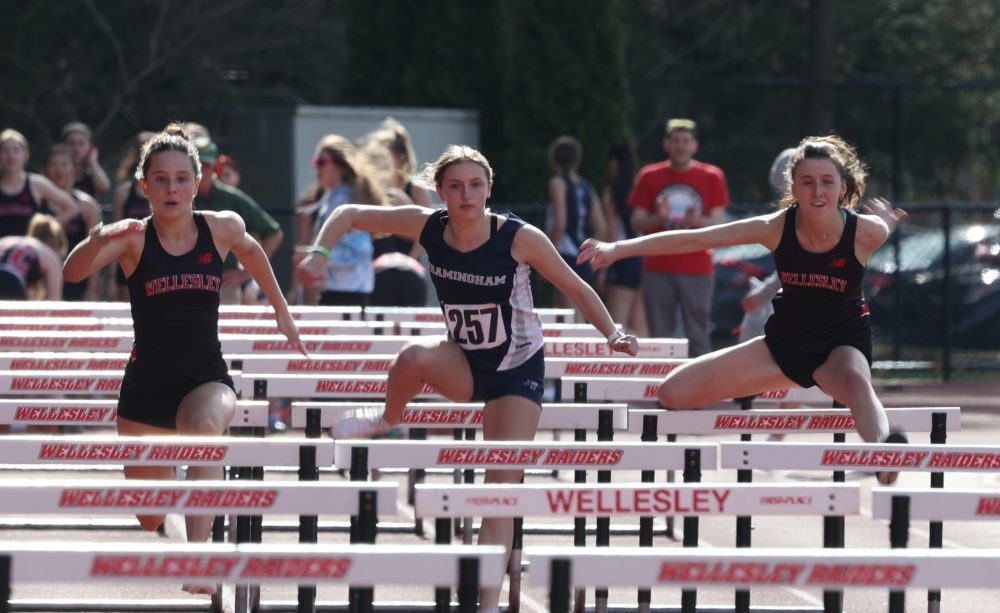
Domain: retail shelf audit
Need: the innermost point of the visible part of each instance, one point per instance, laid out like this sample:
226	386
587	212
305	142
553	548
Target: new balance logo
205	258
838	262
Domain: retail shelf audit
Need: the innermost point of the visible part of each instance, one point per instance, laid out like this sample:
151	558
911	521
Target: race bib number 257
475	326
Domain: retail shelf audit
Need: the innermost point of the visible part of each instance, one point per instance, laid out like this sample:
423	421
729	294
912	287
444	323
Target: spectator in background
680	193
214	195
128	202
342	176
624	278
22	193
58	168
400	280
90	177
227	170
574	210
30	266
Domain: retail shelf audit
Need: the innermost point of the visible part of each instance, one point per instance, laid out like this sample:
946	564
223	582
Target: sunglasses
320	162
680	124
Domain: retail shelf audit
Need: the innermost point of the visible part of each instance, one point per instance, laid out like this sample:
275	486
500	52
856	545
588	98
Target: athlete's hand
286	325
598	253
311	271
883	209
106	233
626	343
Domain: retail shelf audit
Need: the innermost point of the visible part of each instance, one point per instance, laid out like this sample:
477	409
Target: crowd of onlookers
43	216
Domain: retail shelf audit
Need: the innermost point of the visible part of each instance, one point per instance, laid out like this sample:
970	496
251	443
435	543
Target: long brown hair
852	170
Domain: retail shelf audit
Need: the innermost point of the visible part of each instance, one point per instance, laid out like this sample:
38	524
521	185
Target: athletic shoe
360	423
886	477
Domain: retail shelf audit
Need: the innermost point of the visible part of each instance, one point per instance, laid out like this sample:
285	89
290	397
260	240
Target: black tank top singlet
16	211
76	230
485	294
136	206
821	301
175	312
21	261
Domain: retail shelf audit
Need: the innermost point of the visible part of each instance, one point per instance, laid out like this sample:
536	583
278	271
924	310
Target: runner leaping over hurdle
176	381
820	332
479	262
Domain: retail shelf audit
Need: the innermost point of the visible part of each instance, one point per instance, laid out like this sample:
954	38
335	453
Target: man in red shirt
679	193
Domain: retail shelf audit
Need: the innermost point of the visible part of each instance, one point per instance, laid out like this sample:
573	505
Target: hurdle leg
899	536
833	538
580	528
692	474
939	434
605	432
309	524
456	478
514	566
416	475
442	536
359	599
645	596
4	583
671	438
559	586
468	585
744	528
469	479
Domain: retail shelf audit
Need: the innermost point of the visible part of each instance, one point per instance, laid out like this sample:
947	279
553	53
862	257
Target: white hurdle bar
901	506
159	450
121	342
562	568
354	565
16	308
708	499
116	497
861	456
98	412
450	415
783	421
433	314
226	326
583	389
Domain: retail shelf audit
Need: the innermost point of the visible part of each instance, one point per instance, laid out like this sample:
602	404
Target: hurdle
101	412
433	314
605	500
901	506
573	330
606	456
562	568
464	566
16	308
361	500
121	342
839	422
935	458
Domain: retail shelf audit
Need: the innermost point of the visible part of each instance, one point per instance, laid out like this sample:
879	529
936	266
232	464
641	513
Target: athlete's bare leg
127	427
845	375
440	364
509	418
744	370
207	410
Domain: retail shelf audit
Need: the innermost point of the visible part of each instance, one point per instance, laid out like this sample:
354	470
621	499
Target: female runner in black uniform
819	333
480	264
176	381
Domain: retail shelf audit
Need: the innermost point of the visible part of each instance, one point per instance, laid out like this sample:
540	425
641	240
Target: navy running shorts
525	380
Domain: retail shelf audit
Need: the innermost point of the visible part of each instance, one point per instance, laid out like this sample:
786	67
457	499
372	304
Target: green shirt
225	198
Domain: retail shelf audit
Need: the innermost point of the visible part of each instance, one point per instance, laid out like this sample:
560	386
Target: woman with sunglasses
342	176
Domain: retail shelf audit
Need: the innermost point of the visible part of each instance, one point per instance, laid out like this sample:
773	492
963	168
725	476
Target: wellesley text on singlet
172	283
835	284
464	277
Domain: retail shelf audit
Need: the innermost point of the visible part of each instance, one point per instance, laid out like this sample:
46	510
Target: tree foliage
918	73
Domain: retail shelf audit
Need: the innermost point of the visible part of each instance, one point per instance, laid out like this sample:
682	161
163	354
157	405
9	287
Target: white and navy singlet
485	294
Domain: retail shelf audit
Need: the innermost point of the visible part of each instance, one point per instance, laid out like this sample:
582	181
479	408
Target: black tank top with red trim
21	261
136	205
175	312
16	210
821	303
